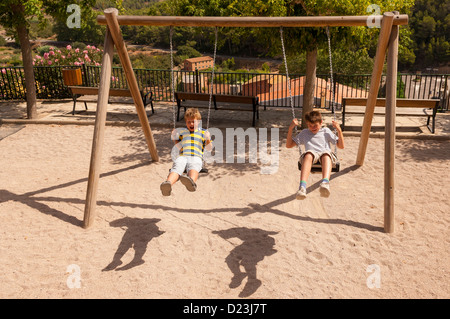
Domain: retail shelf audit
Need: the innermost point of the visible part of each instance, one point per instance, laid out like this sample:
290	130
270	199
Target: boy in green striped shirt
190	143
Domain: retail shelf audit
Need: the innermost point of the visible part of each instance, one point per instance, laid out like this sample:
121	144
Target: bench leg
178	112
151	104
343	118
433	121
75	97
150	99
145	99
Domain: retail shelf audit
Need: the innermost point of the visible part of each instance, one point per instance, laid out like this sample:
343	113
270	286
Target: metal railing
272	89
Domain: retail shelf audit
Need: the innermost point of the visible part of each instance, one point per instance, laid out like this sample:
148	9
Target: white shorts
187	163
317	156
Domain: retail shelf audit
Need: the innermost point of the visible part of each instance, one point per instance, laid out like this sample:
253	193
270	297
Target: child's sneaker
325	189
301	193
166	188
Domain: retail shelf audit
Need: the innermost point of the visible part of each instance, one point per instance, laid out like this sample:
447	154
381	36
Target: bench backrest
192	96
85	90
381	102
236	99
216	97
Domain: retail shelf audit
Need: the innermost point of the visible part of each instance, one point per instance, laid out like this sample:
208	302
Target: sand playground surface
242	234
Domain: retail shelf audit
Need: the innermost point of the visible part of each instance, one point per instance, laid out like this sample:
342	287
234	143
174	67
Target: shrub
79	45
43	49
2	41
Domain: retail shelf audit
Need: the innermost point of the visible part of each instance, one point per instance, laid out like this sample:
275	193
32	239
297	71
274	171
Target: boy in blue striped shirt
190	143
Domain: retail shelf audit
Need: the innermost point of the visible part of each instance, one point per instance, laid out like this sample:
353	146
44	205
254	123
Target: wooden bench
219	102
358	106
78	91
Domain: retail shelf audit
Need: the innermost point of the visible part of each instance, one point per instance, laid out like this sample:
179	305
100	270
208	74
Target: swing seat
203	170
318	167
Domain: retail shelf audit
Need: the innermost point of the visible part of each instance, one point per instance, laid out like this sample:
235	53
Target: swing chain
287	75
331	74
332	87
172	78
289	85
212	79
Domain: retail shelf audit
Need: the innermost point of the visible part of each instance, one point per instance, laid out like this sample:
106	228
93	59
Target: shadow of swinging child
256	245
137	236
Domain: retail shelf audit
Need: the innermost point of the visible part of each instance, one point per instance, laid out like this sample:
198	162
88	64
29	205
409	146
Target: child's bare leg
325	160
306	169
326	172
173	177
193	174
306	166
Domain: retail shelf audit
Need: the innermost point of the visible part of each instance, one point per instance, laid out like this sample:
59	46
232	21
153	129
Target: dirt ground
242	234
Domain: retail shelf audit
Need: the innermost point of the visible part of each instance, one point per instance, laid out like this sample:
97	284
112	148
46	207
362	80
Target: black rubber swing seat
318	167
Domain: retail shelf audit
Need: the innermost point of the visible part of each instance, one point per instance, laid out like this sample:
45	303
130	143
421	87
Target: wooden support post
389	144
99	130
113	25
386	26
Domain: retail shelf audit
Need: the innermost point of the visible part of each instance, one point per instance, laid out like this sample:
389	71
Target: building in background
200	63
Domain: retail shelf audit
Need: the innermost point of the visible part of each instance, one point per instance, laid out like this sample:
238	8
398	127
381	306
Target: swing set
388	38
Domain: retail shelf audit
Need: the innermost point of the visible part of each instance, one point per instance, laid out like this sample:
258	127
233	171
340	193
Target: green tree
312	40
188	51
430	25
308	40
89	31
16	15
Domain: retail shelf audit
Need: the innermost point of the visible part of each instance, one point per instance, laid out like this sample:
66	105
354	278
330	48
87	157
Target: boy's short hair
193	113
313	117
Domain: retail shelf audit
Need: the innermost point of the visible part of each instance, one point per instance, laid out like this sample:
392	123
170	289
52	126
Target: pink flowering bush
91	55
49	80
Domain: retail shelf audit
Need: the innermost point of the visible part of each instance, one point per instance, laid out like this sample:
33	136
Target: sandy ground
242	234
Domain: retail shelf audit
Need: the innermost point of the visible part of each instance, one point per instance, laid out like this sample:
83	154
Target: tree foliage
90	31
344	62
262	42
16	15
430	22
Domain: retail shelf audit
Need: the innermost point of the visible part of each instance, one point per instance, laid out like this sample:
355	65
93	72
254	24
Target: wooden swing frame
113	38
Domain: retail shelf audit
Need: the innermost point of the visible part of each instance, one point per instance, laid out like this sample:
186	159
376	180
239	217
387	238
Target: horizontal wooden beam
316	21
